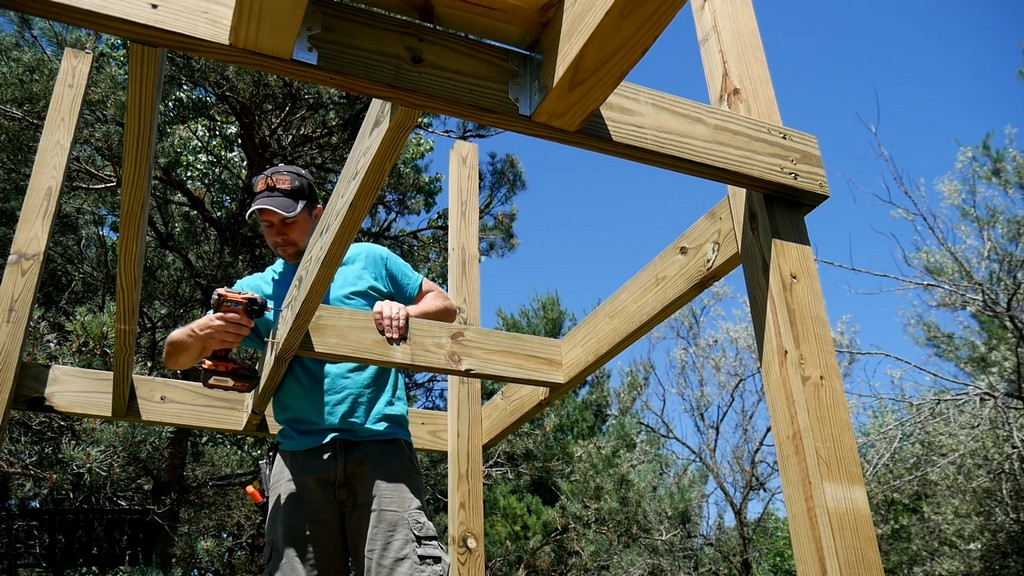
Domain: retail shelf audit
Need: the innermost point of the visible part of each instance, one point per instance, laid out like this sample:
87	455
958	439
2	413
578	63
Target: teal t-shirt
319	400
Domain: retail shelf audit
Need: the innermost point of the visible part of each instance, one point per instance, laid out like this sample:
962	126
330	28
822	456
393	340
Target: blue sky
931	74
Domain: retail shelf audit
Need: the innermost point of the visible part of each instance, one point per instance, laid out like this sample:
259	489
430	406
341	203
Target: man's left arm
431	303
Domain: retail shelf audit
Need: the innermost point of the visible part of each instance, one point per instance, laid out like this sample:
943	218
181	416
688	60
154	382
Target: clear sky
931	73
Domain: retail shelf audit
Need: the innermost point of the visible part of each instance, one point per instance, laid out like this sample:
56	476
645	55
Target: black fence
55	540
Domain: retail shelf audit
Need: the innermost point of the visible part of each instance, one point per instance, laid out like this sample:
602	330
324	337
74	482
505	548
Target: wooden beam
269	27
158	401
378	144
142	113
28	247
209	20
429	430
697	259
588	48
826	502
650	126
165	402
465	454
413	66
511	22
349	335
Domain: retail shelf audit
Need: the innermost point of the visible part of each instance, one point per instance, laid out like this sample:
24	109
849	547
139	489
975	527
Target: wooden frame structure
548	69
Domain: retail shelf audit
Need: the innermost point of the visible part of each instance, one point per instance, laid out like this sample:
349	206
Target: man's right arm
189	344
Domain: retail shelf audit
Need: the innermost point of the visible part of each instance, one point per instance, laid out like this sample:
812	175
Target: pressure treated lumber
823	486
588	48
142	113
378	144
510	22
693	138
85	393
349	335
28	247
158	401
267	26
410	65
465	454
697	259
206	19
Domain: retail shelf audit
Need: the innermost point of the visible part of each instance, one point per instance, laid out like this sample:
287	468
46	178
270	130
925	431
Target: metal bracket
526	89
312	23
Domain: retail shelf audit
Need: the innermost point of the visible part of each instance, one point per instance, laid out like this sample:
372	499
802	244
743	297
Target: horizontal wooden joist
349	335
166	402
418	67
510	22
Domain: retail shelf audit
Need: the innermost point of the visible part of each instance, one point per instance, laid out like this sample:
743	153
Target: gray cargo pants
350	502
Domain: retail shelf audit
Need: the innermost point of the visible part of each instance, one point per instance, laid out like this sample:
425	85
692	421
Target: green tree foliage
699	389
219	125
943	453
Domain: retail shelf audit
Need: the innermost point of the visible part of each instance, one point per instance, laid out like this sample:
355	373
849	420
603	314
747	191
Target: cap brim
286	207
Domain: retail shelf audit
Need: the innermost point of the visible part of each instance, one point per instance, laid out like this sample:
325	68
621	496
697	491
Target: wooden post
28	248
465	436
822	483
142	113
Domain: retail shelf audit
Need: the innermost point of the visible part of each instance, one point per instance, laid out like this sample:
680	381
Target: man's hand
392	319
431	303
224	330
197	340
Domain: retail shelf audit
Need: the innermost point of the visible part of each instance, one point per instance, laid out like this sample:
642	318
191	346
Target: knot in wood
17	257
453	359
468	541
711	256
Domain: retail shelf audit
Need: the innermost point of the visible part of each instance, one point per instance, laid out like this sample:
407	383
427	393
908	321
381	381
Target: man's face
288	237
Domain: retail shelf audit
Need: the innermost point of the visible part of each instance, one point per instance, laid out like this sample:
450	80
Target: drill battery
221	370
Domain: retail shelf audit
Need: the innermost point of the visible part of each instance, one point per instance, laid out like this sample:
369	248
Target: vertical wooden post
822	482
28	248
465	436
142	114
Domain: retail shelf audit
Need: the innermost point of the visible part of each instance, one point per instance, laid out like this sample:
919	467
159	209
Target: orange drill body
221	371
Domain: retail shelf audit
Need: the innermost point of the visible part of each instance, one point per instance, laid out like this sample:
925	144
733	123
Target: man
345	485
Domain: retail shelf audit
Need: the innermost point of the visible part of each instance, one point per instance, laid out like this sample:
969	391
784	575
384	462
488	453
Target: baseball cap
284	189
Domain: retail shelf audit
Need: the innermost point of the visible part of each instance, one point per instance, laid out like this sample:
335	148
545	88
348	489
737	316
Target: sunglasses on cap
285	181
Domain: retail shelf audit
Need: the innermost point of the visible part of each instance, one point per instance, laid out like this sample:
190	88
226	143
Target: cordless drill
221	371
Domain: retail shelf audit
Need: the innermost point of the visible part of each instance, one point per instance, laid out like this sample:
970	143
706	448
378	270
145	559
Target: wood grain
588	48
267	26
455	349
28	247
510	22
85	393
209	20
142	113
465	455
826	503
417	67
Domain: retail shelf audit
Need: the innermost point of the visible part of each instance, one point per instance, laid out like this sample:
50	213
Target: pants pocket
432	559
